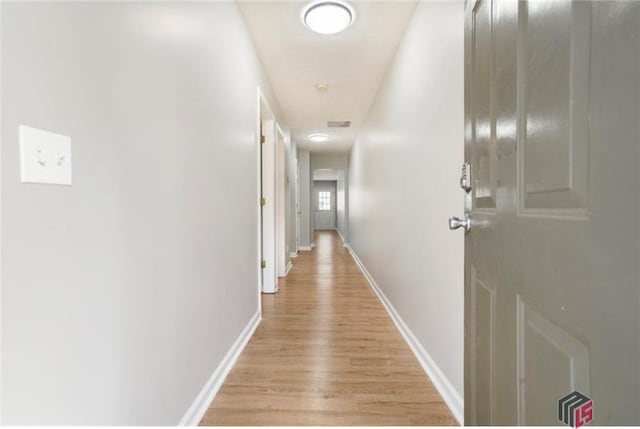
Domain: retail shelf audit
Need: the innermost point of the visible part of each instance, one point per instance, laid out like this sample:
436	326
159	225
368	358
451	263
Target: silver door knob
456	222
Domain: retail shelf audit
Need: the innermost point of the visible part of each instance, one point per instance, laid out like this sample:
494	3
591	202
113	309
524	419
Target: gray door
552	257
324	216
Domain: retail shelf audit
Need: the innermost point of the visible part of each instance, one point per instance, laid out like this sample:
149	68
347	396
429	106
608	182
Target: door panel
483	303
324	218
555	48
484	148
552	361
552	295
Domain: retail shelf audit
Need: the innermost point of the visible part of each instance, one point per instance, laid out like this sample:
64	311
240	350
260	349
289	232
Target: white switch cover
45	157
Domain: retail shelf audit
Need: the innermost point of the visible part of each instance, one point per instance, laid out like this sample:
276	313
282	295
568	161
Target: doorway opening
328	201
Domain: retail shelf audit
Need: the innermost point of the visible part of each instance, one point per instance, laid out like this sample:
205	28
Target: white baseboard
305	248
449	394
293	254
199	407
289	266
269	292
344	242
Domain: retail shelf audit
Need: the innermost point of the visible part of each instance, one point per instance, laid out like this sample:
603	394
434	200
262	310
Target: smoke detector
322	87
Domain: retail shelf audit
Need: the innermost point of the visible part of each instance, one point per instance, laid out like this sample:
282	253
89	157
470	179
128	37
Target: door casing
266	155
281	201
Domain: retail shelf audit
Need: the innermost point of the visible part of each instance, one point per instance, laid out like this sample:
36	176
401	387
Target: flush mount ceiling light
318	137
328	17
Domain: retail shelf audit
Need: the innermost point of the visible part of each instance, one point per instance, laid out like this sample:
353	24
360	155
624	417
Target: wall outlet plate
45	157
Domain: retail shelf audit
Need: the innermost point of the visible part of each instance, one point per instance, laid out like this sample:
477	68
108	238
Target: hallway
319	212
326	353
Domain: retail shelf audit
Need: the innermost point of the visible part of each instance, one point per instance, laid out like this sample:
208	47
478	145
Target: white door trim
259	99
280	198
264	113
1	246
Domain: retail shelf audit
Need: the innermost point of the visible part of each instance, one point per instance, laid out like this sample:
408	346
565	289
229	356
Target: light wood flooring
326	353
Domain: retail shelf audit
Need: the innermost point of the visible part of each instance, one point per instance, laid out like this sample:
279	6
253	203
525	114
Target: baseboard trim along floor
344	242
211	388
449	394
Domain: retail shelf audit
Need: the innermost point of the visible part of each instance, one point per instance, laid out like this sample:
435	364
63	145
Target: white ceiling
352	63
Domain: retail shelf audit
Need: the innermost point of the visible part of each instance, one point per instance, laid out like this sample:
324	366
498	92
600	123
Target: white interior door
552	286
268	212
325	205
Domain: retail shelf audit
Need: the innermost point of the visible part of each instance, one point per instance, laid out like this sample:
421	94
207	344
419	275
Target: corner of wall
199	407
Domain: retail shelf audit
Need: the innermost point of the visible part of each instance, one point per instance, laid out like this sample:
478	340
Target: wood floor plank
326	353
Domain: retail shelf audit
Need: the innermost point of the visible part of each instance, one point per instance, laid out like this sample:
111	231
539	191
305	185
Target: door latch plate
465	177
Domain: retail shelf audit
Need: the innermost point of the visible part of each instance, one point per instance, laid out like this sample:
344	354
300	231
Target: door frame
264	112
1	348
1	396
280	200
298	208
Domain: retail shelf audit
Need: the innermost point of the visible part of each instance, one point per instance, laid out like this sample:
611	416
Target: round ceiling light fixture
328	17
318	137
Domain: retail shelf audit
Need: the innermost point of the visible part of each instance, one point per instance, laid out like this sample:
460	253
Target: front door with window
552	284
325	205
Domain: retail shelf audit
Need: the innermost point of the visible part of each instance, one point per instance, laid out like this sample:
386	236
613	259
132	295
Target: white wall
337	161
403	185
122	293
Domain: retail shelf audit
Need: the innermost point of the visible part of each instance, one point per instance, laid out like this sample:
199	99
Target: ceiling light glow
318	138
328	17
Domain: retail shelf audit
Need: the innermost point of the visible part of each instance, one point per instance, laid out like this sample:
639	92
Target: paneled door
552	202
325	205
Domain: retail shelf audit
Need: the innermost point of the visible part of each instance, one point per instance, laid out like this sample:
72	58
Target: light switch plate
45	157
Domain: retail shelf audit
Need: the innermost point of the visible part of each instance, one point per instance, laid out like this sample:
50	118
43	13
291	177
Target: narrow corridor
326	353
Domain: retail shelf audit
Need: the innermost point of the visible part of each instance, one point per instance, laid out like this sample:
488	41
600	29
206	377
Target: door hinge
263	264
262	139
263	201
